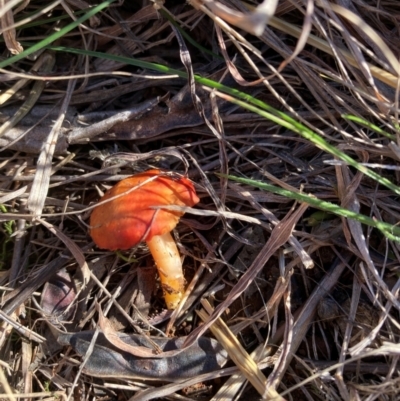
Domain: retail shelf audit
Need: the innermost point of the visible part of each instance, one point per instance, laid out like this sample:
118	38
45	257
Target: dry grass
312	298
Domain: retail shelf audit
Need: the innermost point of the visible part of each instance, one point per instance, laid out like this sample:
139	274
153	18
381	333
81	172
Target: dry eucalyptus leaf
204	356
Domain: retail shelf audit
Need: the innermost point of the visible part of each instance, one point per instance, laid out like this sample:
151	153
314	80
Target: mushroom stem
169	266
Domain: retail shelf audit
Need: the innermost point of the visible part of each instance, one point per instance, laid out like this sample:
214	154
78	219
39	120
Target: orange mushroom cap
123	222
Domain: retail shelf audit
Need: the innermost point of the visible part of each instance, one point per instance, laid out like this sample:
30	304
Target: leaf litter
321	318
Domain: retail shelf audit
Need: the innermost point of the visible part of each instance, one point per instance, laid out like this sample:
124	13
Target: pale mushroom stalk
168	261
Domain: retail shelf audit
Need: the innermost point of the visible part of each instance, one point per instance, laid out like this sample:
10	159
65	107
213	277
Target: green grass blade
369	125
56	35
390	231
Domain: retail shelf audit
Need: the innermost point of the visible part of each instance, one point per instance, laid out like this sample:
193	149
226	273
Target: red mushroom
130	218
